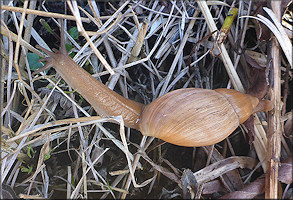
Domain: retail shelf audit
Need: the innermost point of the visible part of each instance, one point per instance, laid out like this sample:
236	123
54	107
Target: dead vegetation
53	144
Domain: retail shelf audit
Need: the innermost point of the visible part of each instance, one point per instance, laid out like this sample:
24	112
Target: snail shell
196	117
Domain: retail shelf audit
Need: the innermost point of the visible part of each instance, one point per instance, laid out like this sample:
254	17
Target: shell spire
243	104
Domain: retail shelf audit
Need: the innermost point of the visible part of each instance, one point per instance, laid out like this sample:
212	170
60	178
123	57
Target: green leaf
27	170
48	155
46	25
29	150
33	61
73	33
73	181
68	47
109	186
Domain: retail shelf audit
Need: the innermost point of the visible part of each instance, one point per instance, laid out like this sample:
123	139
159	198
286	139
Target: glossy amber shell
193	116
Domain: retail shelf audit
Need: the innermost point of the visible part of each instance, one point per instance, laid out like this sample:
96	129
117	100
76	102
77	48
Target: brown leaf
161	169
212	187
259	87
257	187
249	191
187	179
249	124
231	179
219	168
288	126
257	77
255	59
285	171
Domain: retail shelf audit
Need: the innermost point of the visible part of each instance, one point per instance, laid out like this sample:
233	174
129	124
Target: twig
274	133
42	13
224	54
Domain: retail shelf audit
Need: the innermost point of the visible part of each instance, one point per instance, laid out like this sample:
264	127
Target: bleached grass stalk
119	119
22	42
224	54
35	35
178	54
41	140
99	25
260	142
75	191
102	28
275	131
27	34
243	35
18	40
140	60
101	179
46	183
14	172
69	179
42	13
279	33
24	123
96	51
7	109
113	80
9	72
219	168
83	165
143	145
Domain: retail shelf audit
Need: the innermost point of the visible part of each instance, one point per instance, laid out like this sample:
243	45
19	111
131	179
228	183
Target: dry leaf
257	77
212	187
249	124
162	170
187	179
219	168
257	187
249	191
285	171
288	126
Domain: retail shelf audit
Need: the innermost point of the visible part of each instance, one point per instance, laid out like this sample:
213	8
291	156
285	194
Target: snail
186	117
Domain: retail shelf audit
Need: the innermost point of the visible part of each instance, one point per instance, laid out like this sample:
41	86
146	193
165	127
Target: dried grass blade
41	13
224	54
221	167
286	46
74	193
96	51
127	153
139	41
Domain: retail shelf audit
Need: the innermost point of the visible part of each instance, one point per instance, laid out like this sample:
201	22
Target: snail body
105	101
186	117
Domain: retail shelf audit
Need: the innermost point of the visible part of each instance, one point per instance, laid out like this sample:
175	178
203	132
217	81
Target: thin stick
42	13
178	54
96	51
224	54
274	133
69	178
21	42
